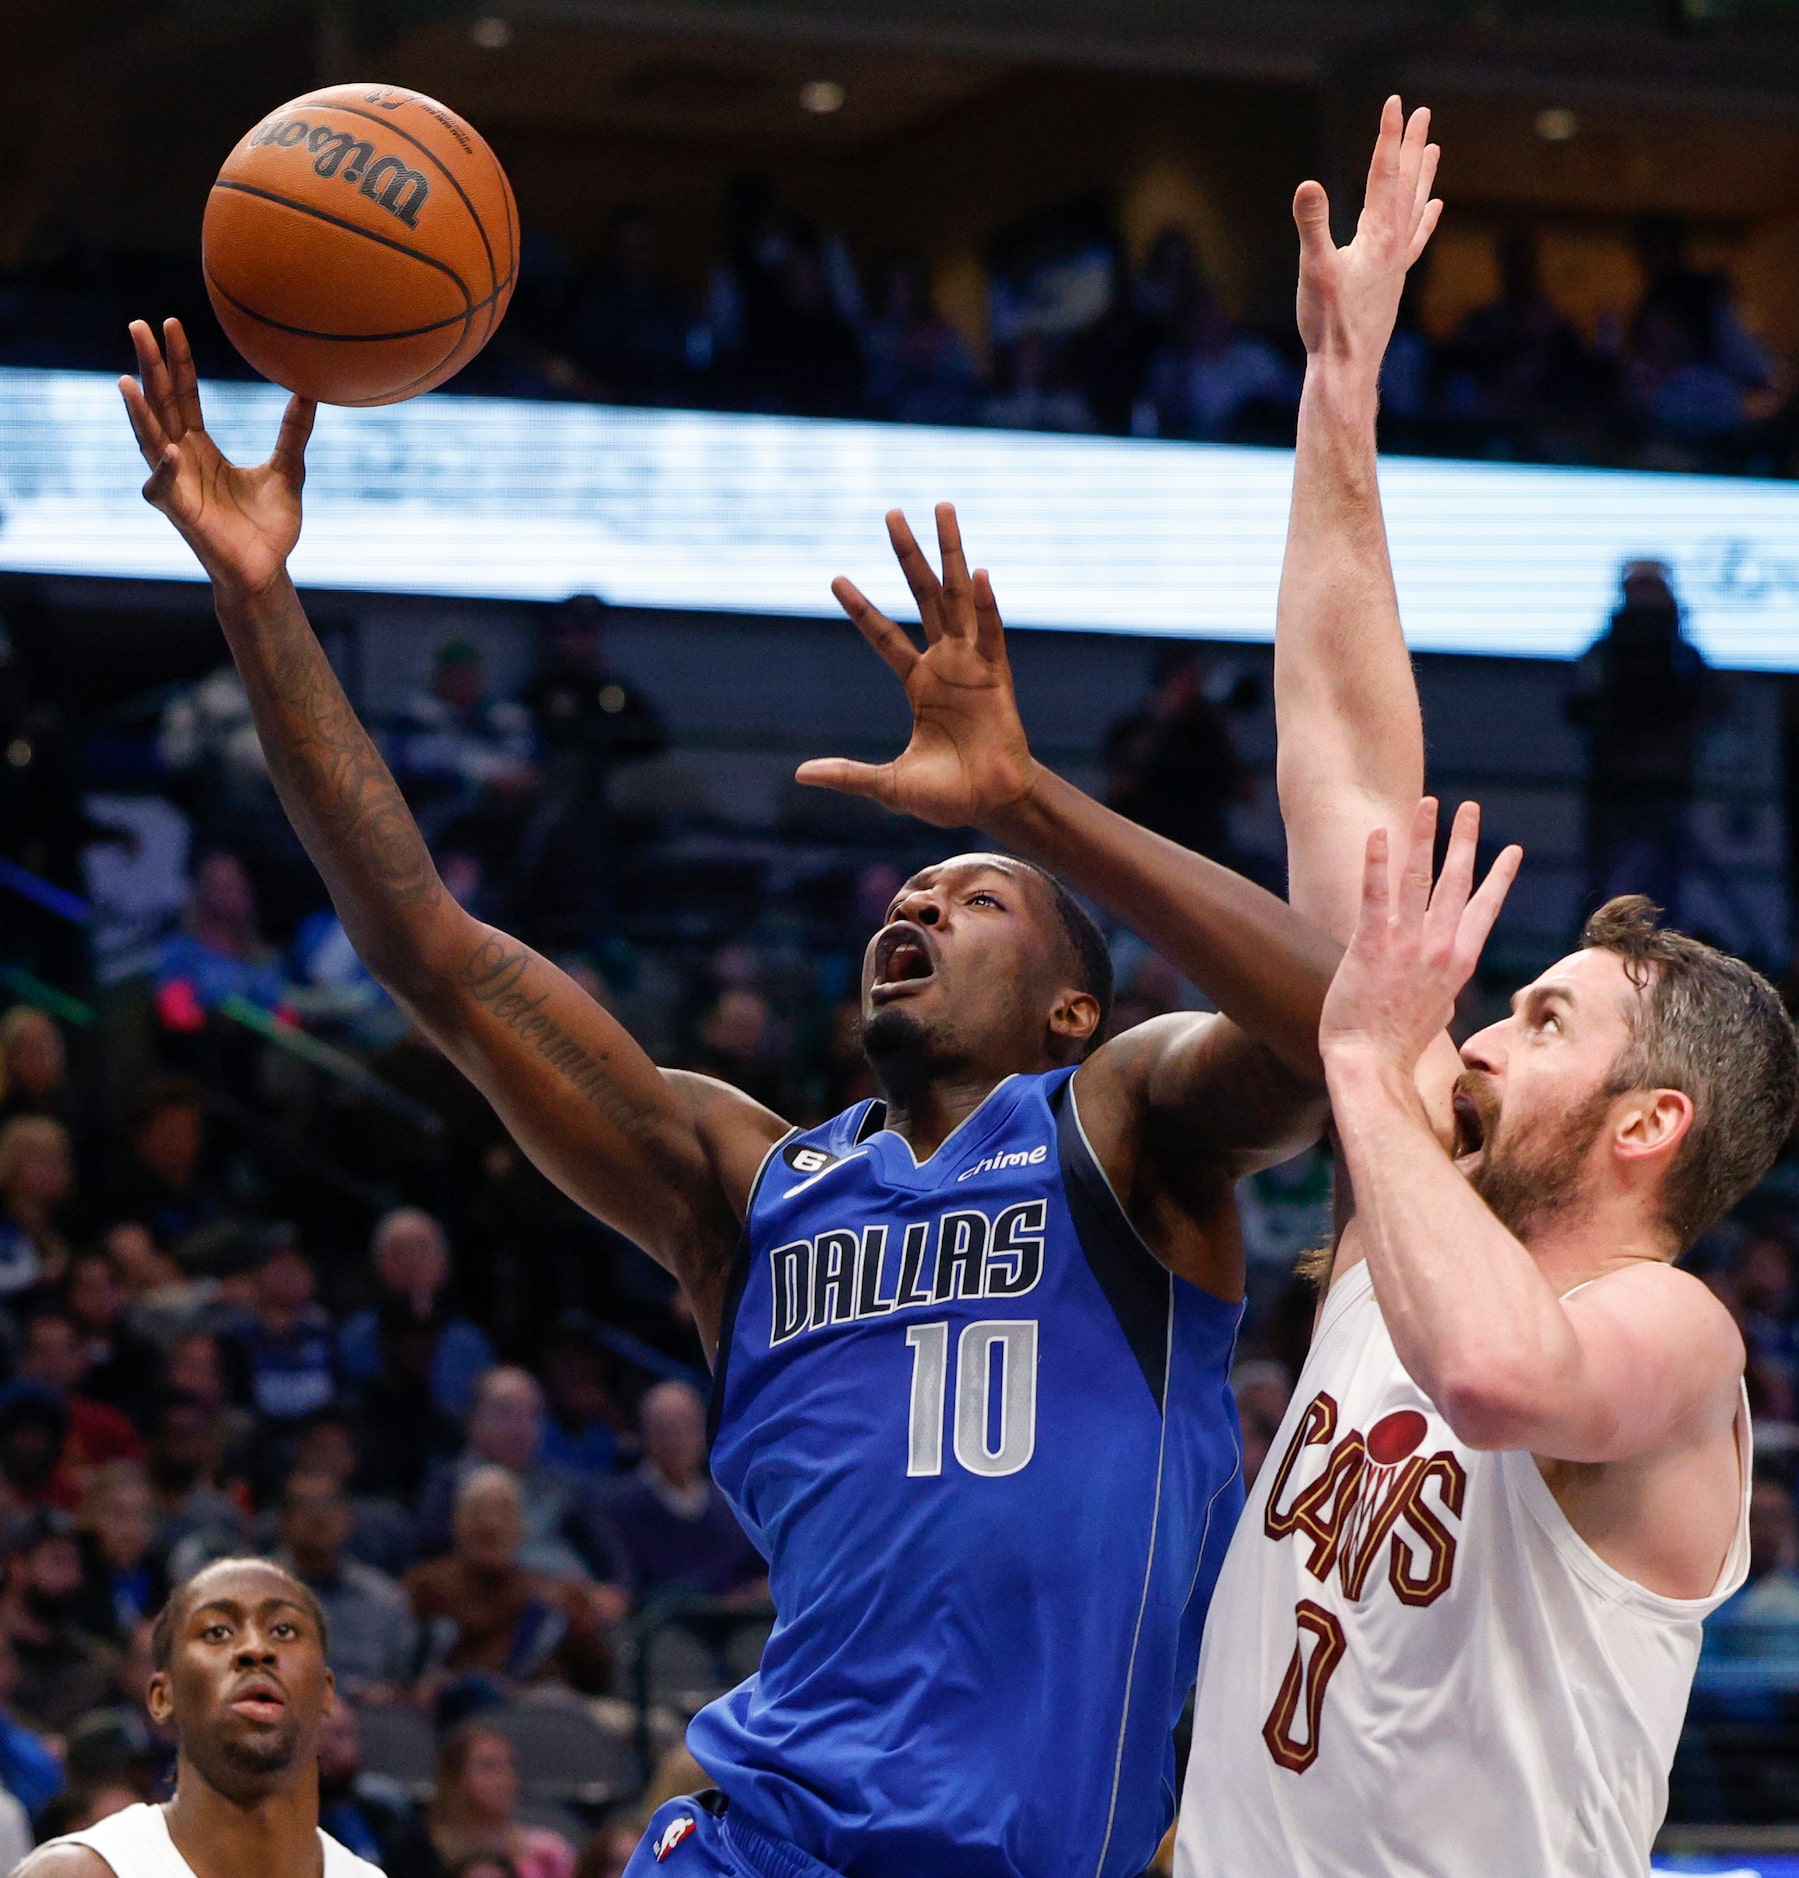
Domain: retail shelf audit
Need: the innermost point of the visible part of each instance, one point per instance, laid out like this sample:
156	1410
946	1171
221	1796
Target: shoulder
341	1862
61	1858
1672	1317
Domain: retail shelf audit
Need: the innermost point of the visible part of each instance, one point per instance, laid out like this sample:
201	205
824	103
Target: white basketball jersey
136	1844
1414	1666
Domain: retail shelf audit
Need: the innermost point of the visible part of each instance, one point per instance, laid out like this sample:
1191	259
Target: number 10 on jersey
996	1366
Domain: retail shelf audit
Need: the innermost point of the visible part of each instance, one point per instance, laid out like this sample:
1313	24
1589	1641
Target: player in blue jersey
972	1340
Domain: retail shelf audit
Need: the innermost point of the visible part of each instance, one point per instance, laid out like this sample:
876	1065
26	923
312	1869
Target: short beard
899	1047
1533	1182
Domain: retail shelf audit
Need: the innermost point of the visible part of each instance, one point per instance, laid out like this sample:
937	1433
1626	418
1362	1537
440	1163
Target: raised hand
241	523
968	759
1349	297
1414	948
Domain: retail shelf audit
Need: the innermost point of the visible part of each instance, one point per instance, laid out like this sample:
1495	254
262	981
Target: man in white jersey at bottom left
240	1675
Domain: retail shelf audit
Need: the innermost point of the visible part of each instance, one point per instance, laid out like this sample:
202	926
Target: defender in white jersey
240	1675
1456	1628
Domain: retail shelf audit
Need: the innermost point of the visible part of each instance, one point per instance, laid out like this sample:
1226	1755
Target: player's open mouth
1470	1130
903	962
259	1700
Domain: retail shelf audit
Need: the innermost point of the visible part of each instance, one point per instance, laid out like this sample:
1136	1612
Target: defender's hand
1413	950
241	523
968	760
1349	297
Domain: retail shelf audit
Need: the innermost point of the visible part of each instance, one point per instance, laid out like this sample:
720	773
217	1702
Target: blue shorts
703	1836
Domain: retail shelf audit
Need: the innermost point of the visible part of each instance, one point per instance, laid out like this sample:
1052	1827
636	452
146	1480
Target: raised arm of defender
1351	740
667	1159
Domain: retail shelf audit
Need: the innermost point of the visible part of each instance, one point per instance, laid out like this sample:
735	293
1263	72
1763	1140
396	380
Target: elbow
1489	1405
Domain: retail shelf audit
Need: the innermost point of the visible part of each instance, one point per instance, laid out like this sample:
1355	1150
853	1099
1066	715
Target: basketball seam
348	339
355	228
493	273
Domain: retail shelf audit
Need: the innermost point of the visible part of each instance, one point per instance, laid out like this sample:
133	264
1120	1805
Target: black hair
162	1630
1092	956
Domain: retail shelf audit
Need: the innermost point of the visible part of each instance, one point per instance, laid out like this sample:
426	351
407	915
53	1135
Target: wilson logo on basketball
387	180
1375	1502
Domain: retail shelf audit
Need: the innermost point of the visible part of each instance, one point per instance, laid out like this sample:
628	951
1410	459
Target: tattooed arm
666	1158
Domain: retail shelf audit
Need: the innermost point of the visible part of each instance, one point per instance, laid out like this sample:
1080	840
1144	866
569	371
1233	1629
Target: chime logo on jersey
673	1833
1375	1496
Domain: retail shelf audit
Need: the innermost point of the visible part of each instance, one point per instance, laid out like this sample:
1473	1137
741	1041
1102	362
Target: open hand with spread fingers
1349	297
1414	947
241	523
968	759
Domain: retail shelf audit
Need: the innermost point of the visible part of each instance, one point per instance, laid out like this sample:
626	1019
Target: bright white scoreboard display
504	499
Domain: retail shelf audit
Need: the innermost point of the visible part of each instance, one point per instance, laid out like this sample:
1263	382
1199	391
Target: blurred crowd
1075	336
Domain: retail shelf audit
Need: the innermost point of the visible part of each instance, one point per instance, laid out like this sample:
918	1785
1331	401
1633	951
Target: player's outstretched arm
666	1159
1620	1368
1351	739
968	764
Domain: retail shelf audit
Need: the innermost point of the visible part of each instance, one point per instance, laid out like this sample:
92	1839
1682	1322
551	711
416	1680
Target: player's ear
1075	1016
158	1699
1654	1124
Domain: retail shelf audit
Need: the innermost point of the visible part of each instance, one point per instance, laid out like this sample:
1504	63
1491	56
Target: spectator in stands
382	1531
356	1818
484	1611
162	1185
1642	695
1172	766
124	1573
53	1360
1766	1307
195	1366
800	351
455	744
404	1432
740	1040
162	1300
677	1530
37	1180
373	1638
920	368
34	1066
1517	360
471	1821
629	329
219	952
61	1675
34	1431
581	1433
590	721
1692	371
287	1349
30	1768
1212	377
566	1533
123	1369
184	1468
411	1258
1035	391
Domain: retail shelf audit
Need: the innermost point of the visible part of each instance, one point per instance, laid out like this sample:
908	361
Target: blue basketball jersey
986	1442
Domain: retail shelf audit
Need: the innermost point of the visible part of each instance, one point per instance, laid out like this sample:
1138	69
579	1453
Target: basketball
360	244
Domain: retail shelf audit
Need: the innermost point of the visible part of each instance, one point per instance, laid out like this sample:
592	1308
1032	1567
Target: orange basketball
360	244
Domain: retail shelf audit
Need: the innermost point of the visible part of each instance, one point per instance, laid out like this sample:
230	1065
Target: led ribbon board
507	499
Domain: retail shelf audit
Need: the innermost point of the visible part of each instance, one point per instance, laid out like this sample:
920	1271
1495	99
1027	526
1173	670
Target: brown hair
1708	1025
